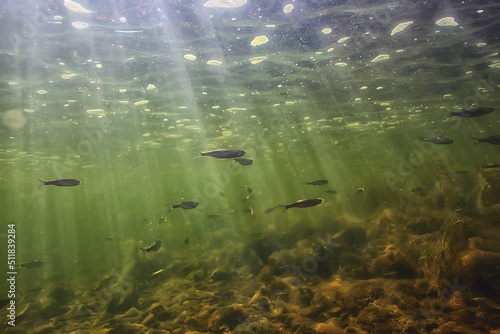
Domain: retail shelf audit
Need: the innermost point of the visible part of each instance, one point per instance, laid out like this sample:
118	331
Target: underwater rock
44	329
325	328
127	328
482	272
351	237
303	296
120	302
220	275
162	331
52	309
160	312
228	317
424	225
197	276
393	264
61	295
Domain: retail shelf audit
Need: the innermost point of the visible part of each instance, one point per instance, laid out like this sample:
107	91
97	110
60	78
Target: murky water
124	96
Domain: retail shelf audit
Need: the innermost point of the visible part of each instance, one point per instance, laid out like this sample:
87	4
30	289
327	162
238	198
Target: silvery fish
495	140
437	140
61	182
224	154
472	112
153	248
303	203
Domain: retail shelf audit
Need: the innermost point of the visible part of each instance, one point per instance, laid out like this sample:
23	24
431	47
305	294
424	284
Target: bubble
76	7
224	3
288	8
447	22
400	27
380	58
13	119
259	40
214	62
80	25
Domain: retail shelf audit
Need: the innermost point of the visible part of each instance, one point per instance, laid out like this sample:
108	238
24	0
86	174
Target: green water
112	98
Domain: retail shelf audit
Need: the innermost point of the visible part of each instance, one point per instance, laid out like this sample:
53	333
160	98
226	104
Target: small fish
31	264
488	166
317	183
162	220
186	241
272	209
224	154
416	190
222	194
156	274
244	162
216	215
360	190
184	205
472	112
61	182
248	210
153	248
249	190
328	191
247	198
495	140
438	140
460	172
109	238
303	203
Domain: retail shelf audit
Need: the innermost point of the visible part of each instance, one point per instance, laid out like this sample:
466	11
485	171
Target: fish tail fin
197	156
476	140
144	251
284	208
168	211
43	183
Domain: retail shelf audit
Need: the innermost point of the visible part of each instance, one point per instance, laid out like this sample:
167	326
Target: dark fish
153	248
303	203
272	209
472	112
488	166
216	215
109	238
460	172
317	182
224	154
186	241
438	140
61	182
328	191
249	190
244	162
495	140
31	264
222	194
184	205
